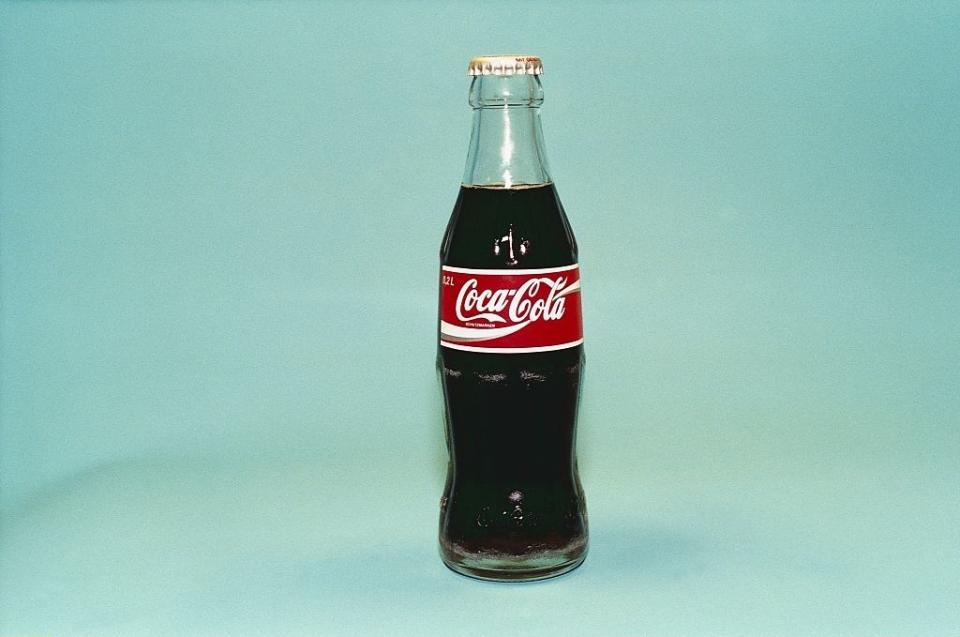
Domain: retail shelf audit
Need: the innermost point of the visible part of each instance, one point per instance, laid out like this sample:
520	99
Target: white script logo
525	303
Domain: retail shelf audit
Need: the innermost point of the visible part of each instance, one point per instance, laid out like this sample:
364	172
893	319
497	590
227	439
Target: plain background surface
219	226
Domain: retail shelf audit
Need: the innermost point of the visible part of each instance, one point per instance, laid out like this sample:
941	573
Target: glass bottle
511	345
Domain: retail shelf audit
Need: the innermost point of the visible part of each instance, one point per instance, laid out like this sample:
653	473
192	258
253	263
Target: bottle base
511	568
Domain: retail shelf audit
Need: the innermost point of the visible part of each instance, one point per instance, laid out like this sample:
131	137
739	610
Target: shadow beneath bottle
652	553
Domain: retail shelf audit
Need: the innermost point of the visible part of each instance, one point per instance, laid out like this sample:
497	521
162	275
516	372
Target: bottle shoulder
508	228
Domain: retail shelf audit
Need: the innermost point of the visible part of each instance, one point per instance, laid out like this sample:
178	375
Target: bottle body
513	506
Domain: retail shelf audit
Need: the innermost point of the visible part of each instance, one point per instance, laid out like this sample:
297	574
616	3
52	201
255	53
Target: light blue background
219	226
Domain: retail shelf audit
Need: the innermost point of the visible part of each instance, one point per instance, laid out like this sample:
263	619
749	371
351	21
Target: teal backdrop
219	227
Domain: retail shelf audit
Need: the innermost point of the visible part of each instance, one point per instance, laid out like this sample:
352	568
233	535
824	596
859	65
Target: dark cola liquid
513	507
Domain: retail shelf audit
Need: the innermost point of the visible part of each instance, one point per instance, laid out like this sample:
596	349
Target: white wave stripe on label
457	333
493	318
511	350
573	287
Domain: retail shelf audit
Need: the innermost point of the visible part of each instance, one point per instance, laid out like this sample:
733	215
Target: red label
510	311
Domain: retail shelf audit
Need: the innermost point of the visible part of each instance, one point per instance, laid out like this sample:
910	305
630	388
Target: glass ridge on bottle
510	357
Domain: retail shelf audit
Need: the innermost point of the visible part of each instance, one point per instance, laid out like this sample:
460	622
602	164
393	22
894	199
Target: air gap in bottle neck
506	141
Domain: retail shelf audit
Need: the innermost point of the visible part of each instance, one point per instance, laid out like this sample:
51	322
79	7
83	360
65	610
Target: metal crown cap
505	65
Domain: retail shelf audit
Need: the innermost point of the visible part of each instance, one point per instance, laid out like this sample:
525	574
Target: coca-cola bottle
511	345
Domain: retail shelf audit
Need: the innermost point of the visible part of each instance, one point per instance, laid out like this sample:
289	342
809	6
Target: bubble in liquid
483	518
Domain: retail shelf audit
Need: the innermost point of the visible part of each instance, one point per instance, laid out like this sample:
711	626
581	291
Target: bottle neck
506	142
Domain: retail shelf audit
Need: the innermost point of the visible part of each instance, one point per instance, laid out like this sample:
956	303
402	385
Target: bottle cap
505	65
